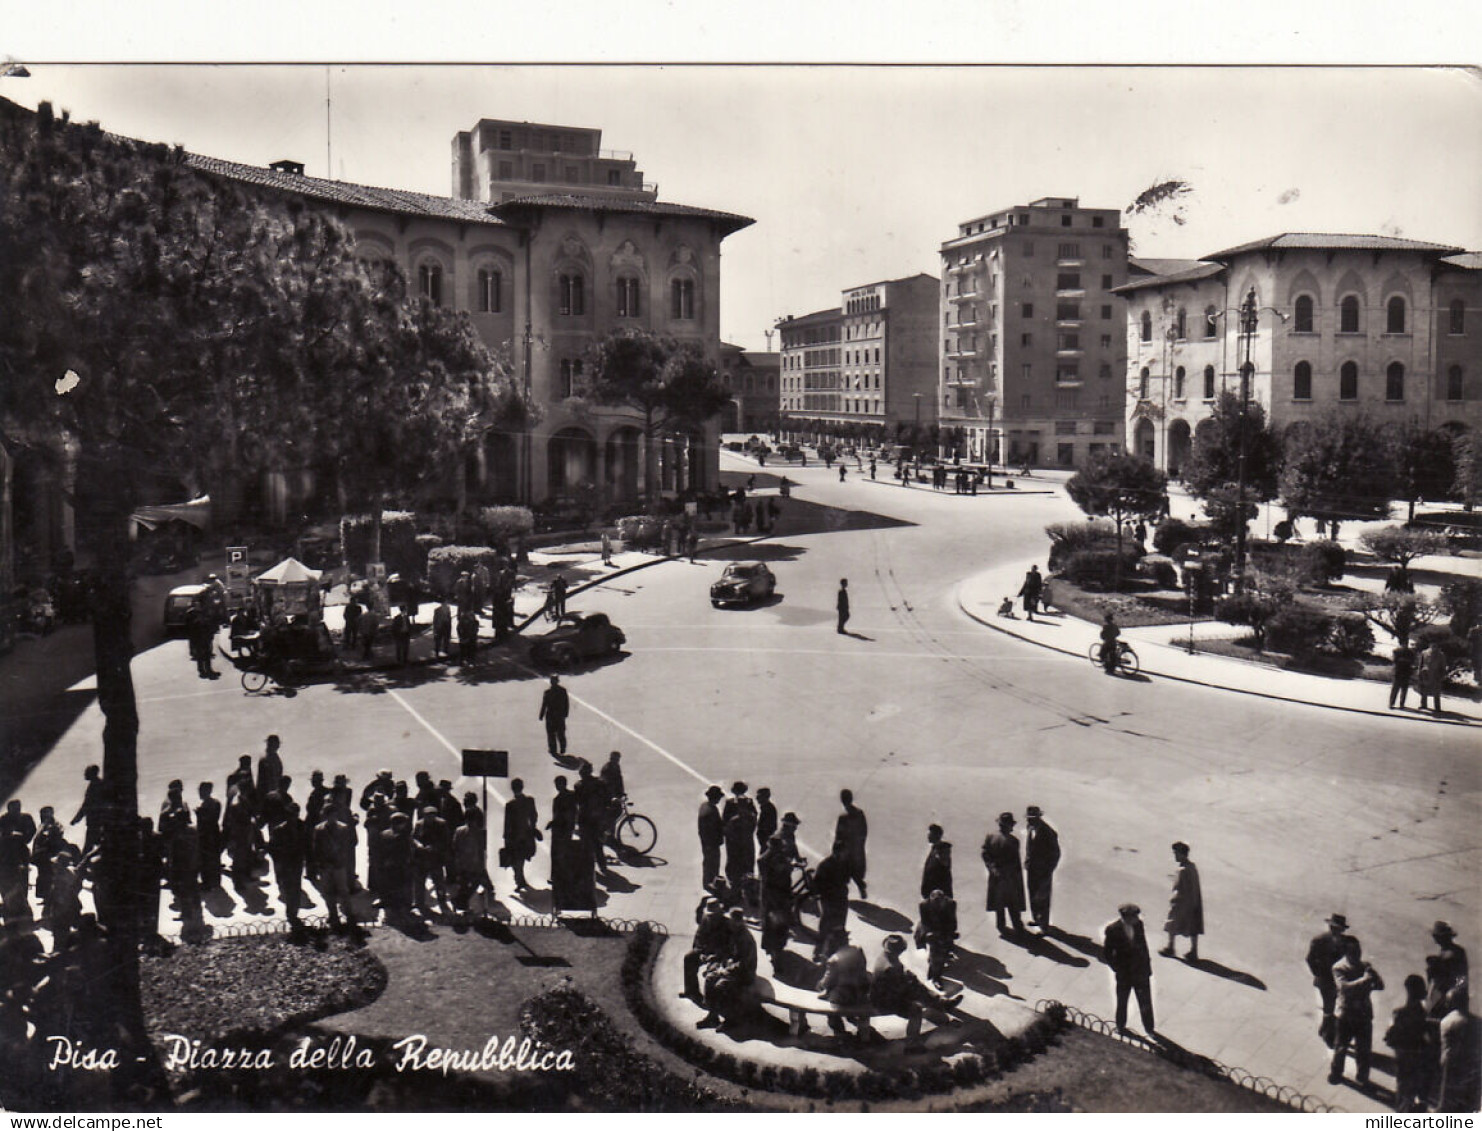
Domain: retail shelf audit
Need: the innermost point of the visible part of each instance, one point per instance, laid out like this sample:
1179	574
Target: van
178	605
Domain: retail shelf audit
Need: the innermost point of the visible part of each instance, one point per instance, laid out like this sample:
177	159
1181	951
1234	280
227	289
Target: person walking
852	830
1403	659
872	467
1124	948
1357	981
712	835
1002	858
936	872
1033	582
1323	954
555	706
91	810
1432	676
521	831
442	629
1041	858
1185	905
841	603
831	886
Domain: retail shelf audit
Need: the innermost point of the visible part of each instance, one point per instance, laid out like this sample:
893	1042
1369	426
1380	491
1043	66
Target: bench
800	1003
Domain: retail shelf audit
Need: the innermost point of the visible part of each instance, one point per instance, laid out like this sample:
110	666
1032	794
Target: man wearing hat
1185	905
846	982
1005	875
1322	954
1445	970
894	989
936	873
1125	949
852	829
1041	858
712	834
789	834
738	822
712	940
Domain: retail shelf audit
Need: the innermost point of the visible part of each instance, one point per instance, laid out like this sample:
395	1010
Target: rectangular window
1106	282
1106	312
614	176
572	298
1027	370
1069	311
1065	221
505	140
571	377
1106	251
1069	250
1065	453
1104	427
1098	221
1068	281
1065	427
1068	341
1068	374
627	297
1105	341
1026	339
1026	400
489	288
1027	310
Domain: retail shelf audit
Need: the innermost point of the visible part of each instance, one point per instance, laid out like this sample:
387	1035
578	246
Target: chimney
295	168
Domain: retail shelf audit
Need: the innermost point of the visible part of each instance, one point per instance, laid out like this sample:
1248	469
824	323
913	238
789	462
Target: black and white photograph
516	575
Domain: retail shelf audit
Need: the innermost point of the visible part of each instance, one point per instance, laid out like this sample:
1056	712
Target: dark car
743	583
578	637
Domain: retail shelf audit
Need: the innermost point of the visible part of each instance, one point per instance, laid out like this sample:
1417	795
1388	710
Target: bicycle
633	832
1127	662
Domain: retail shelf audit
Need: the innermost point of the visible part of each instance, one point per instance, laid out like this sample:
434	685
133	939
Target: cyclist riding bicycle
1109	644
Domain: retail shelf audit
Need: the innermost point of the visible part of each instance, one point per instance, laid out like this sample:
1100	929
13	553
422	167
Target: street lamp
1249	324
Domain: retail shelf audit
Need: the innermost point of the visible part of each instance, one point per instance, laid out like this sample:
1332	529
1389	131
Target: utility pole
1249	321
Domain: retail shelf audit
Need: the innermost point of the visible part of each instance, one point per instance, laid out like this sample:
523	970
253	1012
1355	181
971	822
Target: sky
856	174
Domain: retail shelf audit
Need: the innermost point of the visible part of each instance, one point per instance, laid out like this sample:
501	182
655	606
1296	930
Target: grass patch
1134	608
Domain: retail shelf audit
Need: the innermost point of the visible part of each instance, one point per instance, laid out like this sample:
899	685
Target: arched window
1456	388
1348	381
627	297
1147	326
430	283
1458	317
571	377
573	295
1302	382
1142	384
1303	319
1394	382
1348	315
490	285
1181	325
1211	322
1178	383
682	298
1209	382
1394	316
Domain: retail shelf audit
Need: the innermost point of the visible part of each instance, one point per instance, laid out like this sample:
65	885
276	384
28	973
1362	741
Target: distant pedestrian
200	631
831	886
1046	597
1432	677
270	766
1041	858
370	628
353	611
1185	905
1033	582
852	830
775	868
606	548
841	603
521	831
208	837
842	470
692	541
766	818
468	637
401	636
1001	856
1110	642
555	706
738	820
936	872
288	845
1323	954
1124	948
872	467
442	629
463	592
1357	982
712	835
91	809
480	579
936	930
557	607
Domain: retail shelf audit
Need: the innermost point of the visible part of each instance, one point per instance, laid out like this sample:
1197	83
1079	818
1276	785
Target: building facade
1032	340
1369	324
753	378
500	160
866	368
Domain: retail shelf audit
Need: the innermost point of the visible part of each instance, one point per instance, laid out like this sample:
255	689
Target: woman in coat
1432	676
1186	905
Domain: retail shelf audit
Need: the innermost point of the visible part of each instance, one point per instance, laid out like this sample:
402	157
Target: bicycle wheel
254	681
1094	653
637	833
1127	661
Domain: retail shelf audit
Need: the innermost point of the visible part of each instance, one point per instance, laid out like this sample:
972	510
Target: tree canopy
1338	467
1119	485
1214	462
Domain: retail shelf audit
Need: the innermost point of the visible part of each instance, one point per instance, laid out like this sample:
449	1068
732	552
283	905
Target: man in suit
555	705
842	604
1005	875
1125	950
1322	954
712	835
1041	857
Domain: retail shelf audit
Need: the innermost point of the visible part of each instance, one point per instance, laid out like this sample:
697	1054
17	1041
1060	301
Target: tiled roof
728	220
351	195
1161	266
1291	241
816	316
1470	260
1195	271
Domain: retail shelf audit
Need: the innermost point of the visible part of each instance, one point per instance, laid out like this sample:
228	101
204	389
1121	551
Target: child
1007	609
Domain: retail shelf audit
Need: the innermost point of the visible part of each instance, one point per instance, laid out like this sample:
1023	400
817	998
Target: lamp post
1249	323
916	430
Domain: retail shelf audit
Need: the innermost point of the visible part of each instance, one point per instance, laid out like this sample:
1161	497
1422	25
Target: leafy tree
1214	462
156	317
673	385
1466	451
1424	462
1399	614
1338	467
1121	486
1401	545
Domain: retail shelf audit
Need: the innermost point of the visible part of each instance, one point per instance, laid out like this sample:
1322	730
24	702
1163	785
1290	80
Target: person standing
1432	676
738	821
712	835
469	869
368	629
936	930
1041	858
269	767
468	636
442	629
936	873
841	603
558	597
1001	856
521	831
401	636
606	548
591	813
15	879
1185	905
872	467
208	837
852	830
353	610
1323	954
1356	981
1030	591
91	810
555	706
564	813
1404	670
480	582
766	818
432	858
1125	949
831	886
463	592
775	866
45	845
1447	968
200	630
1457	1085
1407	1035
288	845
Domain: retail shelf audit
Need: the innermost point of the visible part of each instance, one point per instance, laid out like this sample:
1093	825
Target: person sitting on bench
846	982
894	989
727	979
712	940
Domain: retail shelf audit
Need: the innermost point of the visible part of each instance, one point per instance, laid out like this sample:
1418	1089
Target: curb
1415	718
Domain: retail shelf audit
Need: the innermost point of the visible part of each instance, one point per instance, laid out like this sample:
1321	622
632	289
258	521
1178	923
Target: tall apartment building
867	367
1033	343
499	160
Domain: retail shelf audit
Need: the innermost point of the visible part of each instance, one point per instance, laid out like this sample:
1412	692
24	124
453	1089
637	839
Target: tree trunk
104	502
648	454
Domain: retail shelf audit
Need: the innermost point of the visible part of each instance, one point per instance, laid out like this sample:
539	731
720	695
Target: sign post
238	576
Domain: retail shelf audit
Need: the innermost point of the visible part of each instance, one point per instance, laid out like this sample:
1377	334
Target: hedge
640	531
1173	533
1304	631
504	524
1097	569
399	549
1067	538
1324	561
445	563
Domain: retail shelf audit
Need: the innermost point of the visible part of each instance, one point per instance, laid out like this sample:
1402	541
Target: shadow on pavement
755	552
1083	943
885	918
1220	971
29	737
1042	947
981	973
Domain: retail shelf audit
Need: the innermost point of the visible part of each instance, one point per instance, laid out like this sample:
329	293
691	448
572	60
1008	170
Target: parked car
579	636
178	605
743	583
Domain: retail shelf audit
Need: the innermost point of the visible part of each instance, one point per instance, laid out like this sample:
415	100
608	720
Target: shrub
399	549
1163	574
1173	533
1351	637
1097	569
640	531
1324	561
1298	630
1254	610
1067	538
445	563
505	524
1462	599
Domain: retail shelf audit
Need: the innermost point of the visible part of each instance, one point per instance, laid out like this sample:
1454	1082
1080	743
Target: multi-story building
499	160
752	377
866	368
1032	341
1373	324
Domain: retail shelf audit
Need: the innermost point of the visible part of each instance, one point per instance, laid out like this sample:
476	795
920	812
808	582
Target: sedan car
178	605
743	583
579	636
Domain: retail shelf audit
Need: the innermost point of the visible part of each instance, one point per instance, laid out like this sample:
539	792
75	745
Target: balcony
965	324
1077	261
960	354
966	296
965	381
1070	292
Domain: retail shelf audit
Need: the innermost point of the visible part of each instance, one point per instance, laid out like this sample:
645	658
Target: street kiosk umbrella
289	588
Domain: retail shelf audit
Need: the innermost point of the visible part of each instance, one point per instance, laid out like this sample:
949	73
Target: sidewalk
980	596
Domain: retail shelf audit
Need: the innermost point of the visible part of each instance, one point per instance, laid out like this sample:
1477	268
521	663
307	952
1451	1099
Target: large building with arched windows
1376	324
